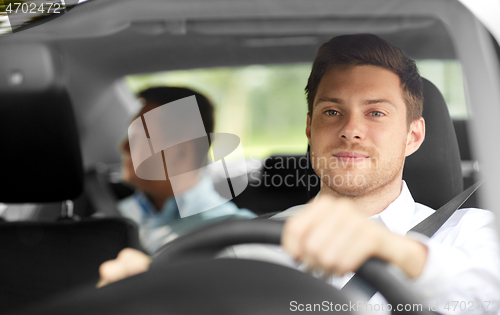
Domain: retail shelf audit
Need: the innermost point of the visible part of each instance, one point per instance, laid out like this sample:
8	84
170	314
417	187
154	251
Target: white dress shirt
462	271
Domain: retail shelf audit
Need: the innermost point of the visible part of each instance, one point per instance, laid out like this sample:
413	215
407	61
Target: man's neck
158	197
159	194
373	202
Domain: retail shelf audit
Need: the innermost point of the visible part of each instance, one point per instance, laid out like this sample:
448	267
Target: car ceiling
125	36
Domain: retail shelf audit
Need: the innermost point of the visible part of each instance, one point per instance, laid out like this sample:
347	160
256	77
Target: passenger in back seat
153	206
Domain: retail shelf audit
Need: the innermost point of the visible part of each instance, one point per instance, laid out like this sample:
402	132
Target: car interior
66	106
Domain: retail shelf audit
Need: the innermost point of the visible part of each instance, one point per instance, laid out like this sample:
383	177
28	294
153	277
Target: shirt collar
190	201
168	211
193	199
398	215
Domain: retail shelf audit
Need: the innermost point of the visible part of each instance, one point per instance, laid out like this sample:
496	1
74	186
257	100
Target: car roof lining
197	34
164	52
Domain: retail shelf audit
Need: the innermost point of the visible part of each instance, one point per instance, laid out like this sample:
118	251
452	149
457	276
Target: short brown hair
368	49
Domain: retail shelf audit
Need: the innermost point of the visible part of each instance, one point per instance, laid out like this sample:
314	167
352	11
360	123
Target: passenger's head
368	49
157	96
190	155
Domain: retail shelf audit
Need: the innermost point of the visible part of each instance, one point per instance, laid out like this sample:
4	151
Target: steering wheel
181	280
209	240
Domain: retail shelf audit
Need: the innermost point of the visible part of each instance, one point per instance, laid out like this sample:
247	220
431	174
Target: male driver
365	104
153	206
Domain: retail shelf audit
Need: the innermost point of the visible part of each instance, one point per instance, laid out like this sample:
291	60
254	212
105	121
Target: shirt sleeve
462	271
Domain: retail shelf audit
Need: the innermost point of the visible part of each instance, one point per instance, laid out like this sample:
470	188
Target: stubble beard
354	182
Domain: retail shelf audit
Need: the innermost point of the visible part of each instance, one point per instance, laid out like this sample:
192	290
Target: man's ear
416	136
308	128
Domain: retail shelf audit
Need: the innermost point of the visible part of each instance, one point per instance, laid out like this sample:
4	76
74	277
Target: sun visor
28	68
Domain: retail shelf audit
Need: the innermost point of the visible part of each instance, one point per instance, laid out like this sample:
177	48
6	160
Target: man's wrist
408	254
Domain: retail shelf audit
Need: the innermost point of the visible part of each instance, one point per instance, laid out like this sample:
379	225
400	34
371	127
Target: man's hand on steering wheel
333	236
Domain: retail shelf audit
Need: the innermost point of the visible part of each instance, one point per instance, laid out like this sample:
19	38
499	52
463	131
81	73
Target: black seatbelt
432	223
100	195
429	226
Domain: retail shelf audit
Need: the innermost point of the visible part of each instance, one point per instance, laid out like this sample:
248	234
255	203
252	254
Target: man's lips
346	155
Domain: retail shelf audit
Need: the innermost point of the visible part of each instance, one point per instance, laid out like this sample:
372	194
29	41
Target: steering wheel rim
208	240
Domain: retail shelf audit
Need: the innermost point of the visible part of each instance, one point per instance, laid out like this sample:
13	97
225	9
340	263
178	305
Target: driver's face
358	132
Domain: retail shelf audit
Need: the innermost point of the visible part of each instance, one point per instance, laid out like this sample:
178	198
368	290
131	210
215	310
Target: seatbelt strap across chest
432	223
427	227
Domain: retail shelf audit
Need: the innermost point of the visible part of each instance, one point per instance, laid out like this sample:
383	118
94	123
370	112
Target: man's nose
352	128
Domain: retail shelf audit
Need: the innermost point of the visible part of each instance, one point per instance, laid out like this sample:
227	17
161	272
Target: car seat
42	163
433	173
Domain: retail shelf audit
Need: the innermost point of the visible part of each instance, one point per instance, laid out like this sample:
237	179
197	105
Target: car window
446	74
265	105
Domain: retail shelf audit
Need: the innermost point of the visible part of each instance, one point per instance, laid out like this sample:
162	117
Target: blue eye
377	114
332	112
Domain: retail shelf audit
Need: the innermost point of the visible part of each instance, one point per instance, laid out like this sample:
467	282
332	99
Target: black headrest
40	152
433	173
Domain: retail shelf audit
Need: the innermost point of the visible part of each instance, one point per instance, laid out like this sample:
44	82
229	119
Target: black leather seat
41	163
433	173
281	183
